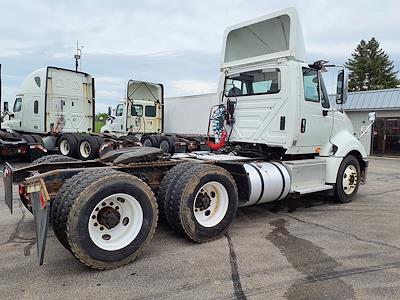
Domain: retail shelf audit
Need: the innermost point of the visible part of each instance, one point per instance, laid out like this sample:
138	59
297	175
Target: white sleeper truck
274	135
53	111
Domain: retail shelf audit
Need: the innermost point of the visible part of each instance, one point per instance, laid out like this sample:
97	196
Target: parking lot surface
307	248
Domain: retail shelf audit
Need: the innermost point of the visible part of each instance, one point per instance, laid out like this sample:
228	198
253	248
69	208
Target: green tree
370	68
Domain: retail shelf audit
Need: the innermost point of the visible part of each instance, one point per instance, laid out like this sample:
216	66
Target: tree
100	121
370	68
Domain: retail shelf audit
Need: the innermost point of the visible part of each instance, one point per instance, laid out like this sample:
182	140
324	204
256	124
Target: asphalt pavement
308	248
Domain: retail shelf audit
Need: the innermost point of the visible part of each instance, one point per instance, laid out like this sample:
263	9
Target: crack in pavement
237	285
346	233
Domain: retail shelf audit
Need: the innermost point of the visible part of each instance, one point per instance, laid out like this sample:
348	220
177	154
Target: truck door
16	118
316	115
119	123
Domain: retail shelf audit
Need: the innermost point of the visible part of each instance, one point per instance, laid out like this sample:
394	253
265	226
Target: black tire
38	139
53	158
58	211
72	141
150	141
15	134
88	147
180	205
167	144
340	194
82	200
168	181
28	138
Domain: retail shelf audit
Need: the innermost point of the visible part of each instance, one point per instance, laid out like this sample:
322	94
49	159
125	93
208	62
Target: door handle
303	125
324	112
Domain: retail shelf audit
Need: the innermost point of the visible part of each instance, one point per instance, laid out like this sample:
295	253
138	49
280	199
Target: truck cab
278	101
141	111
53	100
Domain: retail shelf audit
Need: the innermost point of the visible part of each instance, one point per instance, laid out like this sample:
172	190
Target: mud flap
41	213
8	185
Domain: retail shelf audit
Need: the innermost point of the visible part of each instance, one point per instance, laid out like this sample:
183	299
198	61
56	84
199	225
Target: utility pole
78	57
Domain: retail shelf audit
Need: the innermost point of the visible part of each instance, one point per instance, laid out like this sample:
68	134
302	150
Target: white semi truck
53	111
275	133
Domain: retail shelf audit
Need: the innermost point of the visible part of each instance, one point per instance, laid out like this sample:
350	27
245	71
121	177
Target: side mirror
341	88
5	106
109	111
372	116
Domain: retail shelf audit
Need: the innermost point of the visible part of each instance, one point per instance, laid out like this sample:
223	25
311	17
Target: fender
345	143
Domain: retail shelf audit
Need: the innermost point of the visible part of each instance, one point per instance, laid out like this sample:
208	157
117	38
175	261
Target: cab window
311	89
258	82
137	110
17	105
150	111
120	110
324	95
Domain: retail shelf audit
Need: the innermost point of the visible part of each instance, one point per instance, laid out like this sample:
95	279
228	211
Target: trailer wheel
348	180
88	147
68	145
111	218
167	144
150	141
167	183
203	202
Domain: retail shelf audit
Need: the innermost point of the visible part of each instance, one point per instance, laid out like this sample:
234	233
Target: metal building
384	138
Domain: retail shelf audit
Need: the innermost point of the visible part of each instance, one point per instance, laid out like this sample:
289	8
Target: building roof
372	100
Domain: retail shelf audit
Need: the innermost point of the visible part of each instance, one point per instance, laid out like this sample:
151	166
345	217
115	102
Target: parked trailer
284	140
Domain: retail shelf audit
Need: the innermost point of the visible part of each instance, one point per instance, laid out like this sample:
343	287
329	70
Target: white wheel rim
64	147
211	204
123	231
350	179
85	149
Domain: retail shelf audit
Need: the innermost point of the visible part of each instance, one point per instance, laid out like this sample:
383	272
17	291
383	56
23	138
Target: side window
137	110
324	95
36	107
120	110
311	89
259	82
150	111
17	105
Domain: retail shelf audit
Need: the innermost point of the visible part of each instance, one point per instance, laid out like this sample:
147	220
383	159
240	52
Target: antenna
78	57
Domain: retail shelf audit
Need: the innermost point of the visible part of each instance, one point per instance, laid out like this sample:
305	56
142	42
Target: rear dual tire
107	219
201	201
89	147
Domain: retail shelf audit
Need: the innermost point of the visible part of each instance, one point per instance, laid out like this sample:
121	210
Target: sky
176	42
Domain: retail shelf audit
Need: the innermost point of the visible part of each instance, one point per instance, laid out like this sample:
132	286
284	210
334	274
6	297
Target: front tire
348	180
110	219
203	202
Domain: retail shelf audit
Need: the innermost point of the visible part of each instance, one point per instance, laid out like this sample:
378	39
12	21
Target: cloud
192	87
173	42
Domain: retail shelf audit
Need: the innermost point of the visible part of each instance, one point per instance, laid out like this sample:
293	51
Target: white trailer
276	133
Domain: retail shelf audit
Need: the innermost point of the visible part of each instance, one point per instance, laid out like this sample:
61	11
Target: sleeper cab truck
285	140
54	109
